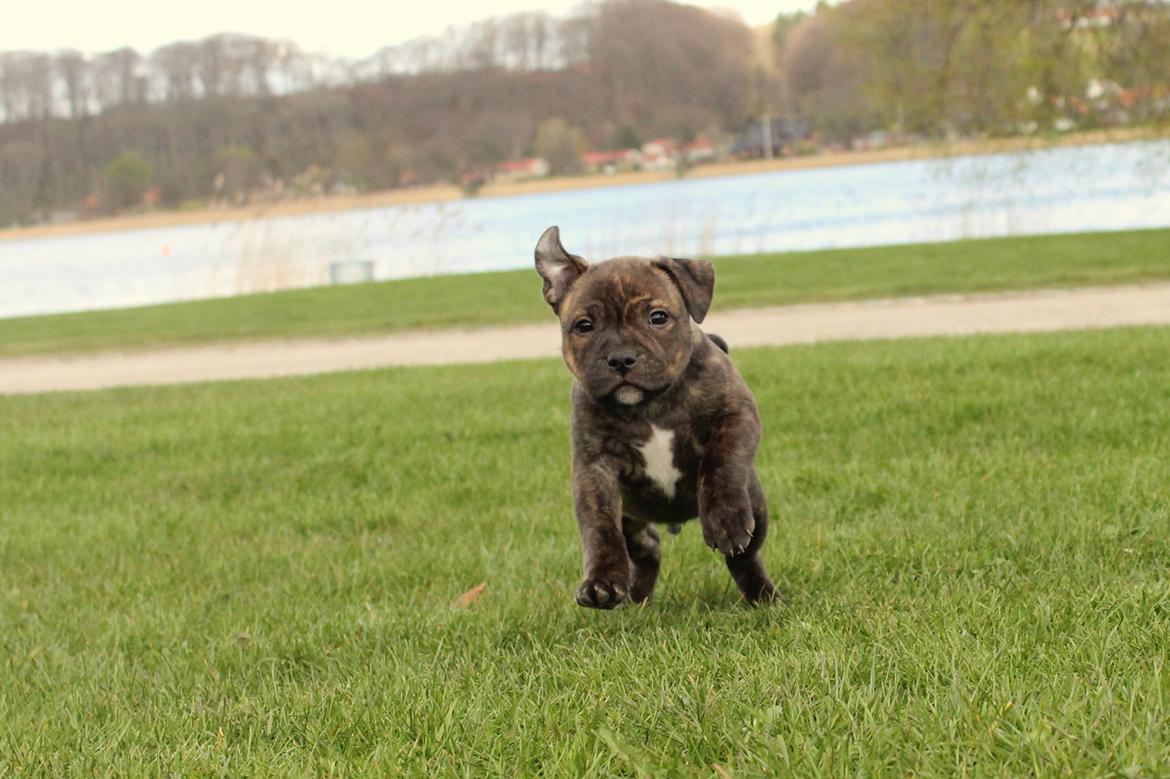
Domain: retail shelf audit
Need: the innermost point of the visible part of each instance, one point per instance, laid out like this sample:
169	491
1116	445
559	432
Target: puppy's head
625	323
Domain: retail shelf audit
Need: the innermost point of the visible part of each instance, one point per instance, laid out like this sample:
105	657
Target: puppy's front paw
601	593
729	527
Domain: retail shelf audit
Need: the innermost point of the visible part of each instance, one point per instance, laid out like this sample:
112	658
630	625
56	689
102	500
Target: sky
346	28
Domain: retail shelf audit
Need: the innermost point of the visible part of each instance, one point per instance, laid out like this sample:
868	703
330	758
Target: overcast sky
352	28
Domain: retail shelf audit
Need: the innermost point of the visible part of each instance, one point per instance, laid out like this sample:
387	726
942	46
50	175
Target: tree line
230	115
962	68
227	115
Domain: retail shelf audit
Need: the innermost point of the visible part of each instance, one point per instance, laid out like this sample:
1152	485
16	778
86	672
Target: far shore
442	193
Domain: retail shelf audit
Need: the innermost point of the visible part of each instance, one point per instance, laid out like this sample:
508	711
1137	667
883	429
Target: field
257	578
500	298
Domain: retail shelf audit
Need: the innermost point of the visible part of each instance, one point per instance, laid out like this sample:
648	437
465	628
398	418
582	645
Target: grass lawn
257	578
499	298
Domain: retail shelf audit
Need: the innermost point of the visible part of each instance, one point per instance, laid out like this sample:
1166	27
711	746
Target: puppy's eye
659	318
582	327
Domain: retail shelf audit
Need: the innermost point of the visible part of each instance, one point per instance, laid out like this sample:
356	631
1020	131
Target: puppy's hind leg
645	557
747	568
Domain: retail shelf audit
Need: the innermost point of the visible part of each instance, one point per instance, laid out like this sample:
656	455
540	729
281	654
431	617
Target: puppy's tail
718	341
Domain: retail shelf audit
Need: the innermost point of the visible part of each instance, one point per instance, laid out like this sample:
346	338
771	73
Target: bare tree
178	65
73	71
651	53
26	85
118	79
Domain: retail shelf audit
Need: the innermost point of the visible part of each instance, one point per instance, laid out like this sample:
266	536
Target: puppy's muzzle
622	362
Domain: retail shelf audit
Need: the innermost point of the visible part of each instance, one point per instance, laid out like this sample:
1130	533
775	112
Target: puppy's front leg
597	499
725	507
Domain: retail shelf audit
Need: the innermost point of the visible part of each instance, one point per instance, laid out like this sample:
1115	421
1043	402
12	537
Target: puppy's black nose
622	361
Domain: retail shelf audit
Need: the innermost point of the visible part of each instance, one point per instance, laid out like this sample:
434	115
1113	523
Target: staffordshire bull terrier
664	429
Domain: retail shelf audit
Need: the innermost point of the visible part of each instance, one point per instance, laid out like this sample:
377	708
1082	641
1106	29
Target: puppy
664	428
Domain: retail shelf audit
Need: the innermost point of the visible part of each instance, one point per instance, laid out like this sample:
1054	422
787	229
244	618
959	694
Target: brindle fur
682	381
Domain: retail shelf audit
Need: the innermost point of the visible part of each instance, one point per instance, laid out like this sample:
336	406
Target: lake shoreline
449	193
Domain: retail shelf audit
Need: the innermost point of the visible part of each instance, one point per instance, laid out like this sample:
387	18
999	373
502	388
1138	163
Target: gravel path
953	315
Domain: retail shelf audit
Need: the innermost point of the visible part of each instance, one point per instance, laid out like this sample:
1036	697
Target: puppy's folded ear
695	280
557	267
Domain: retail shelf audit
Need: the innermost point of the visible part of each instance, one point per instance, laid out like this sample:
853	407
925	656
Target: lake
1108	187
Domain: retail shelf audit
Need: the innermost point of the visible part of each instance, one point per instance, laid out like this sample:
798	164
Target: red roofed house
611	161
659	153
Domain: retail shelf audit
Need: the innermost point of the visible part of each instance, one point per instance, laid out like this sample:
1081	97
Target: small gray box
351	271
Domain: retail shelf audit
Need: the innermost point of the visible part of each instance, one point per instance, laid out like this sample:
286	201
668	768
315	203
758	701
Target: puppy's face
625	323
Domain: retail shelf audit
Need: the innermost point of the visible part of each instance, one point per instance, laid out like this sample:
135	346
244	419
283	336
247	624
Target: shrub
125	181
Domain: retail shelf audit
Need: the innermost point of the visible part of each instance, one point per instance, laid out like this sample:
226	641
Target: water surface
1109	187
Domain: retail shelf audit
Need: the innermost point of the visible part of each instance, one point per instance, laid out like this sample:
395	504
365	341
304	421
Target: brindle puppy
664	427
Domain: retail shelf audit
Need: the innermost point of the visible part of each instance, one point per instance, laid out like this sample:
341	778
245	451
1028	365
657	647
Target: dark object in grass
664	427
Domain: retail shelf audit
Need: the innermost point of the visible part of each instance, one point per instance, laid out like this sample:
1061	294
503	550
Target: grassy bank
501	298
257	578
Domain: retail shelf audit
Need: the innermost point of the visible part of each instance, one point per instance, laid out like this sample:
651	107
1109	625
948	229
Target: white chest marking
658	453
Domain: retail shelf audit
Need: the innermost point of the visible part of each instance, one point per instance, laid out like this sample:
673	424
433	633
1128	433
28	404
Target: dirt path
1016	312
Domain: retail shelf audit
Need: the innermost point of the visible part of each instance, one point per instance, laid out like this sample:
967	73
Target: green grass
499	298
257	578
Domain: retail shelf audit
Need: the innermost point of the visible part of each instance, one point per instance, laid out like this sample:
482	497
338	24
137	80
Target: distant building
699	151
1100	15
659	153
1090	14
785	134
517	170
875	139
611	161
